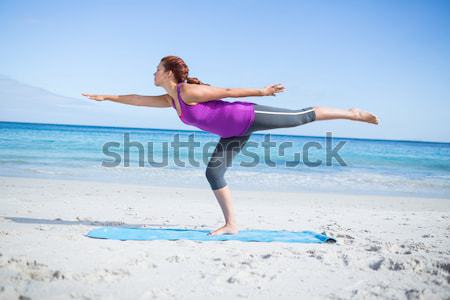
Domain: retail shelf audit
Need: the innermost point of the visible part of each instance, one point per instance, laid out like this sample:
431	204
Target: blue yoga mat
150	234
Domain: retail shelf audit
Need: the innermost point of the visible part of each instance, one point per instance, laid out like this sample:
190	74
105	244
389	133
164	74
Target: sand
387	247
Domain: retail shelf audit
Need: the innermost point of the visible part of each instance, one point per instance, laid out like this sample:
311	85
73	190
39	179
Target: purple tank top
223	118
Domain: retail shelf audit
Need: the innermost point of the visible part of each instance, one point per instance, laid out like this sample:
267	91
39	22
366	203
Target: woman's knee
317	112
307	115
215	177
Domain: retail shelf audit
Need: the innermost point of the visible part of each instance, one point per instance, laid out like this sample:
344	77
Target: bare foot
364	116
225	229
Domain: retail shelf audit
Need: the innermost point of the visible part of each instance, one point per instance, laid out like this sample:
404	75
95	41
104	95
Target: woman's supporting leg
222	157
223	196
267	117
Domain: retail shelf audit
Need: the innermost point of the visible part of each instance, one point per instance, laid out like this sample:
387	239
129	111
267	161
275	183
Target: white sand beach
387	247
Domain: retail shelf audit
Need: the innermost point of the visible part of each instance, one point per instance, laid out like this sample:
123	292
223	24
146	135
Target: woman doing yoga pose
200	105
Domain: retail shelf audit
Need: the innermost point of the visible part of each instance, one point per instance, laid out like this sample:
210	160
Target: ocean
355	166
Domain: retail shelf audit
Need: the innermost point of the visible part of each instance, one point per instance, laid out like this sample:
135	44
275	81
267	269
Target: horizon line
205	132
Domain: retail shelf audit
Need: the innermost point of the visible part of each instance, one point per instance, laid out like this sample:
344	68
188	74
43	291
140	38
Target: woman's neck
171	89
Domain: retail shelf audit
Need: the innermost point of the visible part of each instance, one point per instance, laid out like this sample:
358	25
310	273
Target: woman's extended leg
354	114
222	157
271	117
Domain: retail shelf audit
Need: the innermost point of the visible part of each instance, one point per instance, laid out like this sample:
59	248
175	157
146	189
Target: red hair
180	69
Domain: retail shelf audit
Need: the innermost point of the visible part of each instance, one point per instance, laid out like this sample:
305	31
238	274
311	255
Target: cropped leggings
266	117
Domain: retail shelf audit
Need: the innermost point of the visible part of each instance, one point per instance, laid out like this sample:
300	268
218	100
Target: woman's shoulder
185	92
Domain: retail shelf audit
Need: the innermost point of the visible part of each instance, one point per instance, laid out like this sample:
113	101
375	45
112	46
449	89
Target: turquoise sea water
389	167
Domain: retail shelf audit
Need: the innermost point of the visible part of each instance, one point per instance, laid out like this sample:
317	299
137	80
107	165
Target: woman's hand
96	97
270	90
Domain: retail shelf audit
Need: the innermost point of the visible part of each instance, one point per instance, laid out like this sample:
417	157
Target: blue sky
388	57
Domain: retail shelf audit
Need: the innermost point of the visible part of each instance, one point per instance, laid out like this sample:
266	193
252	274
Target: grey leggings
267	117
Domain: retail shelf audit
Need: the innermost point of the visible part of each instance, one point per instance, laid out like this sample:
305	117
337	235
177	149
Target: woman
200	105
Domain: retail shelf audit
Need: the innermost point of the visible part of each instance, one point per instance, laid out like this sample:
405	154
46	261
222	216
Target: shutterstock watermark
214	153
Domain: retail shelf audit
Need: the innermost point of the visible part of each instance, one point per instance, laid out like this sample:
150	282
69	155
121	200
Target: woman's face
159	75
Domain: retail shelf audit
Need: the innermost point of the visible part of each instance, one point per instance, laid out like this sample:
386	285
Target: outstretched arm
203	93
152	101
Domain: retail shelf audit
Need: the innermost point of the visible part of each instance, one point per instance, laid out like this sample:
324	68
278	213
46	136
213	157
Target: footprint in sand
374	248
31	270
376	264
345	259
